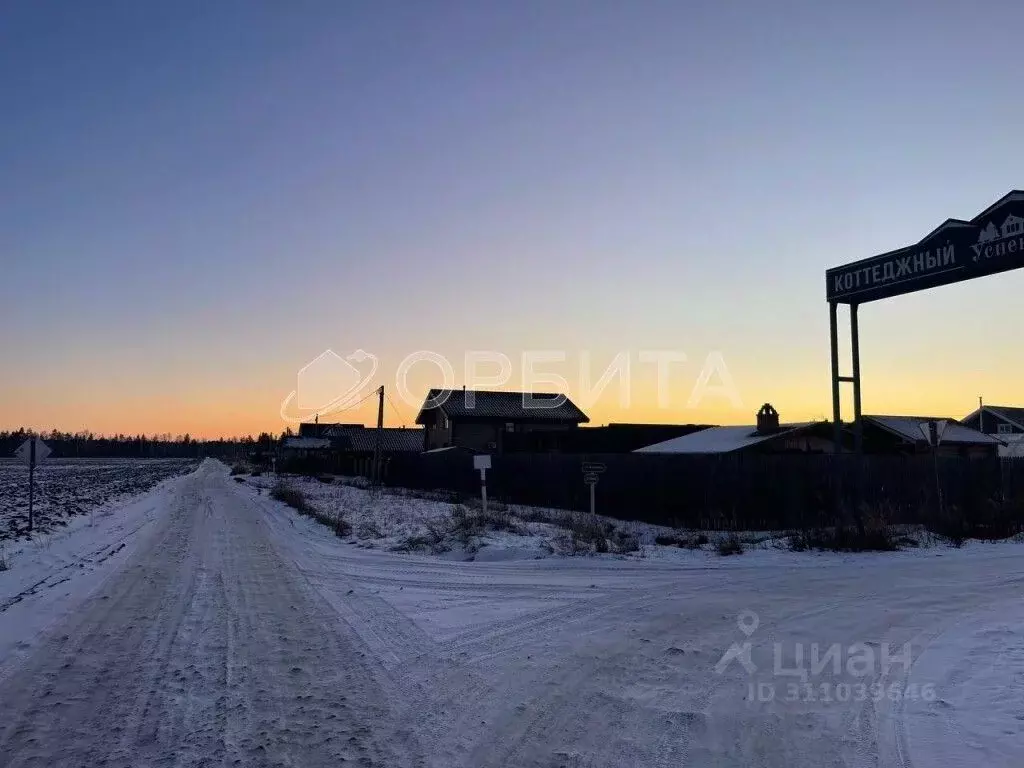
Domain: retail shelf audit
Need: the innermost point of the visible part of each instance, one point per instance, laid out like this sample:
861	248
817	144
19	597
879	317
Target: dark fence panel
731	492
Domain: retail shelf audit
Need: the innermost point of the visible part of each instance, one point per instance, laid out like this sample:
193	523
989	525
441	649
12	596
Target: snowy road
205	649
236	633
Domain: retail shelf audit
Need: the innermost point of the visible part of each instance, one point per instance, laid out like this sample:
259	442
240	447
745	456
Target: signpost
30	452
591	473
483	463
933	431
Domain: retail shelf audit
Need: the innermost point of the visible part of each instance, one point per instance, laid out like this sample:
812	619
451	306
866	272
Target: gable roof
722	439
909	428
360	439
513	406
1008	413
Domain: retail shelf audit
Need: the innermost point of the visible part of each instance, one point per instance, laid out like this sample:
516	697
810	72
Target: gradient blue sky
197	198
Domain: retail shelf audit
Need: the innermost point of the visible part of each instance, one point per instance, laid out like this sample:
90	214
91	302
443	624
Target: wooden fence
734	492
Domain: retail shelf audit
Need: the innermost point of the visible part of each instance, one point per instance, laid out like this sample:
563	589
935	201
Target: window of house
1005	429
444	421
510	427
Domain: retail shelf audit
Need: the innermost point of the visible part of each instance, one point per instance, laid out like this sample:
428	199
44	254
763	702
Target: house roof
349	437
513	406
1009	413
722	439
306	443
909	428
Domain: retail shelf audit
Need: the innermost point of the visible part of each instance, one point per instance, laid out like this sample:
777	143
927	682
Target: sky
197	200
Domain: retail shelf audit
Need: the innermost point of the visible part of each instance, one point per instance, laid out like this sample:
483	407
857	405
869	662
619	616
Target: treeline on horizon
87	445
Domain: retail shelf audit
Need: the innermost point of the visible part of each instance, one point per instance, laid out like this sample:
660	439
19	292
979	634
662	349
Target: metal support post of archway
837	416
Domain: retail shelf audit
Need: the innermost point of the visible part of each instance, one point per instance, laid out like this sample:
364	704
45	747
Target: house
767	436
302	447
350	448
906	435
358	439
481	420
882	435
1005	422
316	429
610	438
349	438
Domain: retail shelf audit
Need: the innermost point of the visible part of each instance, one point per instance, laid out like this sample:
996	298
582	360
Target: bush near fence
740	492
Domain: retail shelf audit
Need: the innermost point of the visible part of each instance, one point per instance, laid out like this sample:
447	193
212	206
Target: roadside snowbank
401	520
50	575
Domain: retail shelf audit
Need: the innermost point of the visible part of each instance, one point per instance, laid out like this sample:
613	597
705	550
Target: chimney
767	420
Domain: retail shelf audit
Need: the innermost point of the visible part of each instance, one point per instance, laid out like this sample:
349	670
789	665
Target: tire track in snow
139	675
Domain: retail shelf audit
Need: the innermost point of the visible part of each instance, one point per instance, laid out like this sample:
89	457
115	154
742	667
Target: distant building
483	420
359	439
611	438
906	434
301	447
1005	422
767	436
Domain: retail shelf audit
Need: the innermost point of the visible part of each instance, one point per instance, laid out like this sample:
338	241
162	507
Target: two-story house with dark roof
480	420
1000	420
1003	421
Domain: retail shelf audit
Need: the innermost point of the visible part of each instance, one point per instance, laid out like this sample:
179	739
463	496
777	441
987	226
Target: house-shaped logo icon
989	233
1014	225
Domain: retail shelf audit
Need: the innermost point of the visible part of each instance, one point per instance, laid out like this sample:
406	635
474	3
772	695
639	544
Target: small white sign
482	462
24	451
940	429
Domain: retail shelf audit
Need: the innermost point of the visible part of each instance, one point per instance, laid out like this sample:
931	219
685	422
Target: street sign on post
31	451
24	451
591	471
483	463
933	431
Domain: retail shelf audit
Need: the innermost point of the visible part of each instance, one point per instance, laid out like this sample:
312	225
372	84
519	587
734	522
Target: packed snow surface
206	624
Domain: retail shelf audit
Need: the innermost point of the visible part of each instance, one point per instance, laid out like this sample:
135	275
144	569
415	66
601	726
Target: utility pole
379	435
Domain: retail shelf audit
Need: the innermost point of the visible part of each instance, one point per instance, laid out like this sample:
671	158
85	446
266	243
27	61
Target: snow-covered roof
307	443
720	439
909	428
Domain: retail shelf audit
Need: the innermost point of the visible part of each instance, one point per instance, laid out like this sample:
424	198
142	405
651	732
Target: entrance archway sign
958	249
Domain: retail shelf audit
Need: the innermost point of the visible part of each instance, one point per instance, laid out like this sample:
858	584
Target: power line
394	408
351	407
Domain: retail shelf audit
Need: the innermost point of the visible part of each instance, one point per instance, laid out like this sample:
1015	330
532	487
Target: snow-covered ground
67	488
231	630
398	520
